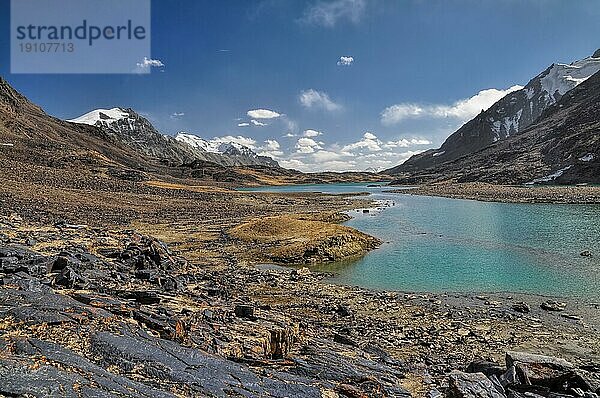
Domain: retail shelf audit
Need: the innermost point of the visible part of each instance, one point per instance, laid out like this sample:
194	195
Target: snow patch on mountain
101	115
196	142
215	145
512	114
550	177
562	77
138	133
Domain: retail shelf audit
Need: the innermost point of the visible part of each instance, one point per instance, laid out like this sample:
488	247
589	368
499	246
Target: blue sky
223	59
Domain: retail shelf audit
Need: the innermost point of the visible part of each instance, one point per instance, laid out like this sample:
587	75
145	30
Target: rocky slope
95	311
127	146
562	146
507	117
31	137
135	131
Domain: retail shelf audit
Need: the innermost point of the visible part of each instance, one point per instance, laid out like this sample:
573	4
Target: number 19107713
49	47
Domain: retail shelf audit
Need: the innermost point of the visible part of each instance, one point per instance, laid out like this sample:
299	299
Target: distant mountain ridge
507	117
137	132
230	148
562	146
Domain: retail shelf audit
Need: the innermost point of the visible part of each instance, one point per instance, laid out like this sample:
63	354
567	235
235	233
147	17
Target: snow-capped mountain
216	145
103	117
509	116
561	147
372	170
196	142
126	125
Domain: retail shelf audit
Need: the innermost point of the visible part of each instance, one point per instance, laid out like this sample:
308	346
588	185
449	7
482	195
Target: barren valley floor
153	282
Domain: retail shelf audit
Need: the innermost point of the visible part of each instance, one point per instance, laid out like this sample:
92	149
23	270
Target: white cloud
177	115
147	63
311	133
270	148
271	145
405	143
462	110
328	13
370	142
318	99
243	124
325	156
307	145
263	114
257	123
293	164
345	61
308	153
369	136
371	146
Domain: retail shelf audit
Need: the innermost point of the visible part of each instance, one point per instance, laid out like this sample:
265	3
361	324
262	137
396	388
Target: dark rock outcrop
123	335
526	375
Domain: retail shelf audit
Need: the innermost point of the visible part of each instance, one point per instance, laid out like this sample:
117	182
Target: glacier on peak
97	115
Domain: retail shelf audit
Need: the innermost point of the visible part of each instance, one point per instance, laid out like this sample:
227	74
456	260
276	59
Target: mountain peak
97	115
13	98
510	115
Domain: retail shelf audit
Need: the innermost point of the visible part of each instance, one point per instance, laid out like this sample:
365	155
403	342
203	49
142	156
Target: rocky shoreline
510	194
103	312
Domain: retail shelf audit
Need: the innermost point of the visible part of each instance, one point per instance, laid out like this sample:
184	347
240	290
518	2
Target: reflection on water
439	244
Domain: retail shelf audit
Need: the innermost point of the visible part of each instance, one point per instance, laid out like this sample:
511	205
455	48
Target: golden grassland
299	239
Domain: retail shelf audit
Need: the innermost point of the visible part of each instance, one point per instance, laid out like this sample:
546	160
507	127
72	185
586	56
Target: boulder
244	311
513	357
280	343
63	261
142	297
553	305
521	307
343	310
553	373
469	385
486	367
344	339
68	278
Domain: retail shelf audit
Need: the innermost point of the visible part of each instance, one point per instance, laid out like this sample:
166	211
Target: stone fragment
343	310
244	311
486	367
469	385
553	305
521	307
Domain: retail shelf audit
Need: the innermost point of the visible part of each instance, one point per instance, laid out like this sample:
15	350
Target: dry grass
191	188
295	239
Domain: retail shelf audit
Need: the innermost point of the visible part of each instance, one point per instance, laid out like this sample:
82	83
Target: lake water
437	244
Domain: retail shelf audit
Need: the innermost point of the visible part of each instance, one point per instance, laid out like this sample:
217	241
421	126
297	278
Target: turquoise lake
449	245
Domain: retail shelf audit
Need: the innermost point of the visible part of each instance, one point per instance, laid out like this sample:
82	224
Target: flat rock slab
472	385
205	374
525	358
22	376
